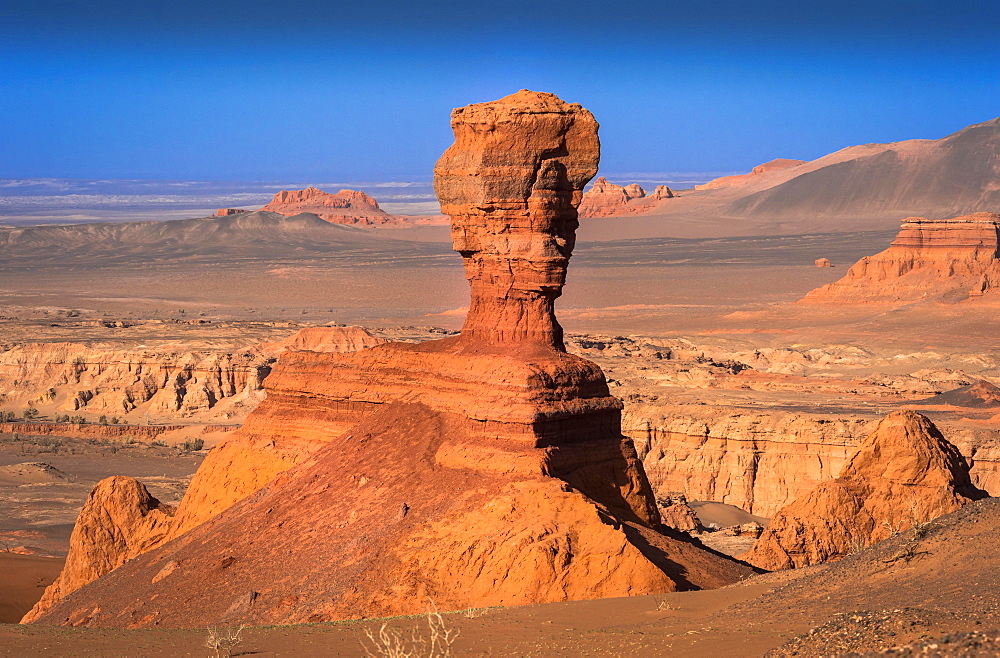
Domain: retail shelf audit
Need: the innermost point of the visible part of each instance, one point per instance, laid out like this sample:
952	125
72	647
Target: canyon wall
763	461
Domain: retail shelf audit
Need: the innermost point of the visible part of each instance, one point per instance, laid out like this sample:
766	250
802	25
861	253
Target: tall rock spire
511	183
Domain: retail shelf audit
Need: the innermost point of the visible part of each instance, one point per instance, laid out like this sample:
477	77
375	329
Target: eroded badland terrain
766	420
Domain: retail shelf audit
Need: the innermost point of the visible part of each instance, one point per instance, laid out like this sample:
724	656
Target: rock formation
980	395
606	199
952	259
158	382
761	462
905	473
483	469
823	262
726	181
225	212
344	207
119	521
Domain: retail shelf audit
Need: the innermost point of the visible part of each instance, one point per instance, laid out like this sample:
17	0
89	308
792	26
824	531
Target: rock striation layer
606	199
952	259
905	473
487	468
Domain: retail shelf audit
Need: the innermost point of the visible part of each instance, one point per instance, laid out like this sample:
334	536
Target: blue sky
308	90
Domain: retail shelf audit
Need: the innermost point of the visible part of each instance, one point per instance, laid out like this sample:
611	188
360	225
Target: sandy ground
38	509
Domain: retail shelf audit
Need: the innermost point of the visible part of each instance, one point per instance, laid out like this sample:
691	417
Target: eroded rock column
511	183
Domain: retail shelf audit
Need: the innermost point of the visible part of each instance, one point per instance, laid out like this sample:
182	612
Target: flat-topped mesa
956	258
511	183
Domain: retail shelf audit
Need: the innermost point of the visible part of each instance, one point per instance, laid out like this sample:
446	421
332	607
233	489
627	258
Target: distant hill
955	175
243	236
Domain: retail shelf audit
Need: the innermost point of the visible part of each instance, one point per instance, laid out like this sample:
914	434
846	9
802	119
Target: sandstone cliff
905	473
163	382
483	469
950	259
606	199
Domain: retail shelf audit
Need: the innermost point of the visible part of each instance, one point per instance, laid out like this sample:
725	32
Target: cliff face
761	462
77	379
484	469
606	199
905	473
954	259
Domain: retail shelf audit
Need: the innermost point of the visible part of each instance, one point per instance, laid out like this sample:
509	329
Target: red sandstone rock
903	474
119	521
225	212
727	181
483	469
344	207
823	262
957	257
512	194
606	199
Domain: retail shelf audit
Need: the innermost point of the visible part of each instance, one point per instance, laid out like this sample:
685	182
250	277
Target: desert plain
133	349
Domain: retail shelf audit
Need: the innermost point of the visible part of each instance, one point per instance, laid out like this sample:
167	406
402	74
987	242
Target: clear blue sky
310	90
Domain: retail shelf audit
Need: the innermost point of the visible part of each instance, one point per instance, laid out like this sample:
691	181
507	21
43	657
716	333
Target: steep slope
904	474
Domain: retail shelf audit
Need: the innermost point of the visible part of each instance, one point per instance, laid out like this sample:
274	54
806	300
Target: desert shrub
159	444
114	420
223	640
8	416
30	413
193	445
102	420
391	643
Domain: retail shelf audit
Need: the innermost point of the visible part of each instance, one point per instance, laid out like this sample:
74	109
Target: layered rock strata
951	259
484	469
165	382
904	474
761	462
606	199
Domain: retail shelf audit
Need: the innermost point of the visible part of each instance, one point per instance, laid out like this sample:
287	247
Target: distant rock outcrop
344	207
951	259
225	212
823	262
980	395
483	469
905	473
773	165
606	199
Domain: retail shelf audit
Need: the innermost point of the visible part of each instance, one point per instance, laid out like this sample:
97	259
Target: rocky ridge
774	165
